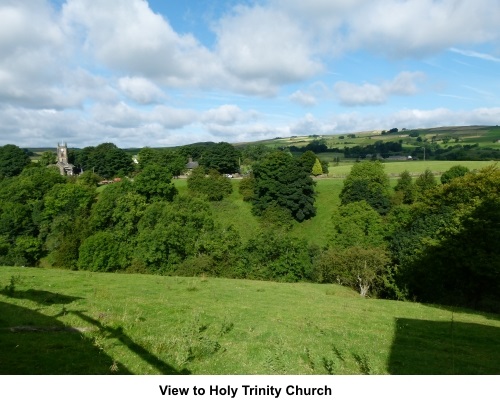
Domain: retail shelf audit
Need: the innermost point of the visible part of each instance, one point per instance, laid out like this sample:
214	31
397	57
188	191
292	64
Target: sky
166	72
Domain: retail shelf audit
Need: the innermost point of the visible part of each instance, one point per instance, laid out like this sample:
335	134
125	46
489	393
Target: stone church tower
65	168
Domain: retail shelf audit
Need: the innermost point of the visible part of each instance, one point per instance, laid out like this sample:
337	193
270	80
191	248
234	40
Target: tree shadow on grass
33	343
432	347
41	297
44	345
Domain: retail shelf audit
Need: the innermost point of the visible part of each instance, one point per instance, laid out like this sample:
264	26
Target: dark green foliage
276	256
405	188
169	233
222	157
106	159
357	224
89	179
47	158
214	185
425	182
447	251
254	153
170	160
154	182
308	159
246	188
12	160
453	172
367	181
275	217
103	252
280	180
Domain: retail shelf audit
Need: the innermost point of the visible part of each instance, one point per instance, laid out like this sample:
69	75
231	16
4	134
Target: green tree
357	224
280	180
12	160
447	250
222	157
106	159
273	255
453	172
47	158
317	168
246	187
169	159
405	188
308	159
425	181
214	185
367	181
154	182
361	268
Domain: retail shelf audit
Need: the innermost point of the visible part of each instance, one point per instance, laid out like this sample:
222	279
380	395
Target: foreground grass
63	322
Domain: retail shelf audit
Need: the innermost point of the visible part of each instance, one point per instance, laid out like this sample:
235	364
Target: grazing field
415	167
64	322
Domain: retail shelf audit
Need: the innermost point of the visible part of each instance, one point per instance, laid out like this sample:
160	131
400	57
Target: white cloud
302	98
227	115
266	47
141	90
404	84
474	54
410	28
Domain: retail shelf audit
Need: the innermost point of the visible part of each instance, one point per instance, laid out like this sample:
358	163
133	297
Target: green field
63	322
414	167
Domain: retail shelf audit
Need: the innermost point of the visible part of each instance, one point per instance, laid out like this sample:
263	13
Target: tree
171	160
12	160
357	224
308	159
317	169
367	181
246	187
214	185
222	157
47	158
405	188
425	181
106	159
280	180
454	172
447	250
358	267
272	255
154	182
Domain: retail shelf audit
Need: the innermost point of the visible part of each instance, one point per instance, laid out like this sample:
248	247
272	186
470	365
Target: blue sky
163	73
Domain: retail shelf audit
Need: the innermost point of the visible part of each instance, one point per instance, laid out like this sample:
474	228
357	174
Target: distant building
65	168
190	165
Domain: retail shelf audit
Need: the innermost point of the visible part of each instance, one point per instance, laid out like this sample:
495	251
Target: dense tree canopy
281	180
368	182
106	159
447	250
12	160
222	157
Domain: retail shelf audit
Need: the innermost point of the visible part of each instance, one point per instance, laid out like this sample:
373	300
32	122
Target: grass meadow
63	322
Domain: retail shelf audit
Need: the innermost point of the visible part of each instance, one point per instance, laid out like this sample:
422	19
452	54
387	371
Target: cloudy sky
166	72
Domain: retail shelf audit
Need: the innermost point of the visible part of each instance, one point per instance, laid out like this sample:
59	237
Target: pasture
62	322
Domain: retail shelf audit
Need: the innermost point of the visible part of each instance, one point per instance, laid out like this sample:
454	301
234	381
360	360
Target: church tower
65	168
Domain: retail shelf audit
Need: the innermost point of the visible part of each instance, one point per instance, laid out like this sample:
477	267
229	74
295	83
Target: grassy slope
149	325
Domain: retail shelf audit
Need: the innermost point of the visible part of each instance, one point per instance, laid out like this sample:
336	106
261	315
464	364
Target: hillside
63	322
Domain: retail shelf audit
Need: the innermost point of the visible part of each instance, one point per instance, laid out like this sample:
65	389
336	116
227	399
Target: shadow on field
41	297
33	343
431	347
